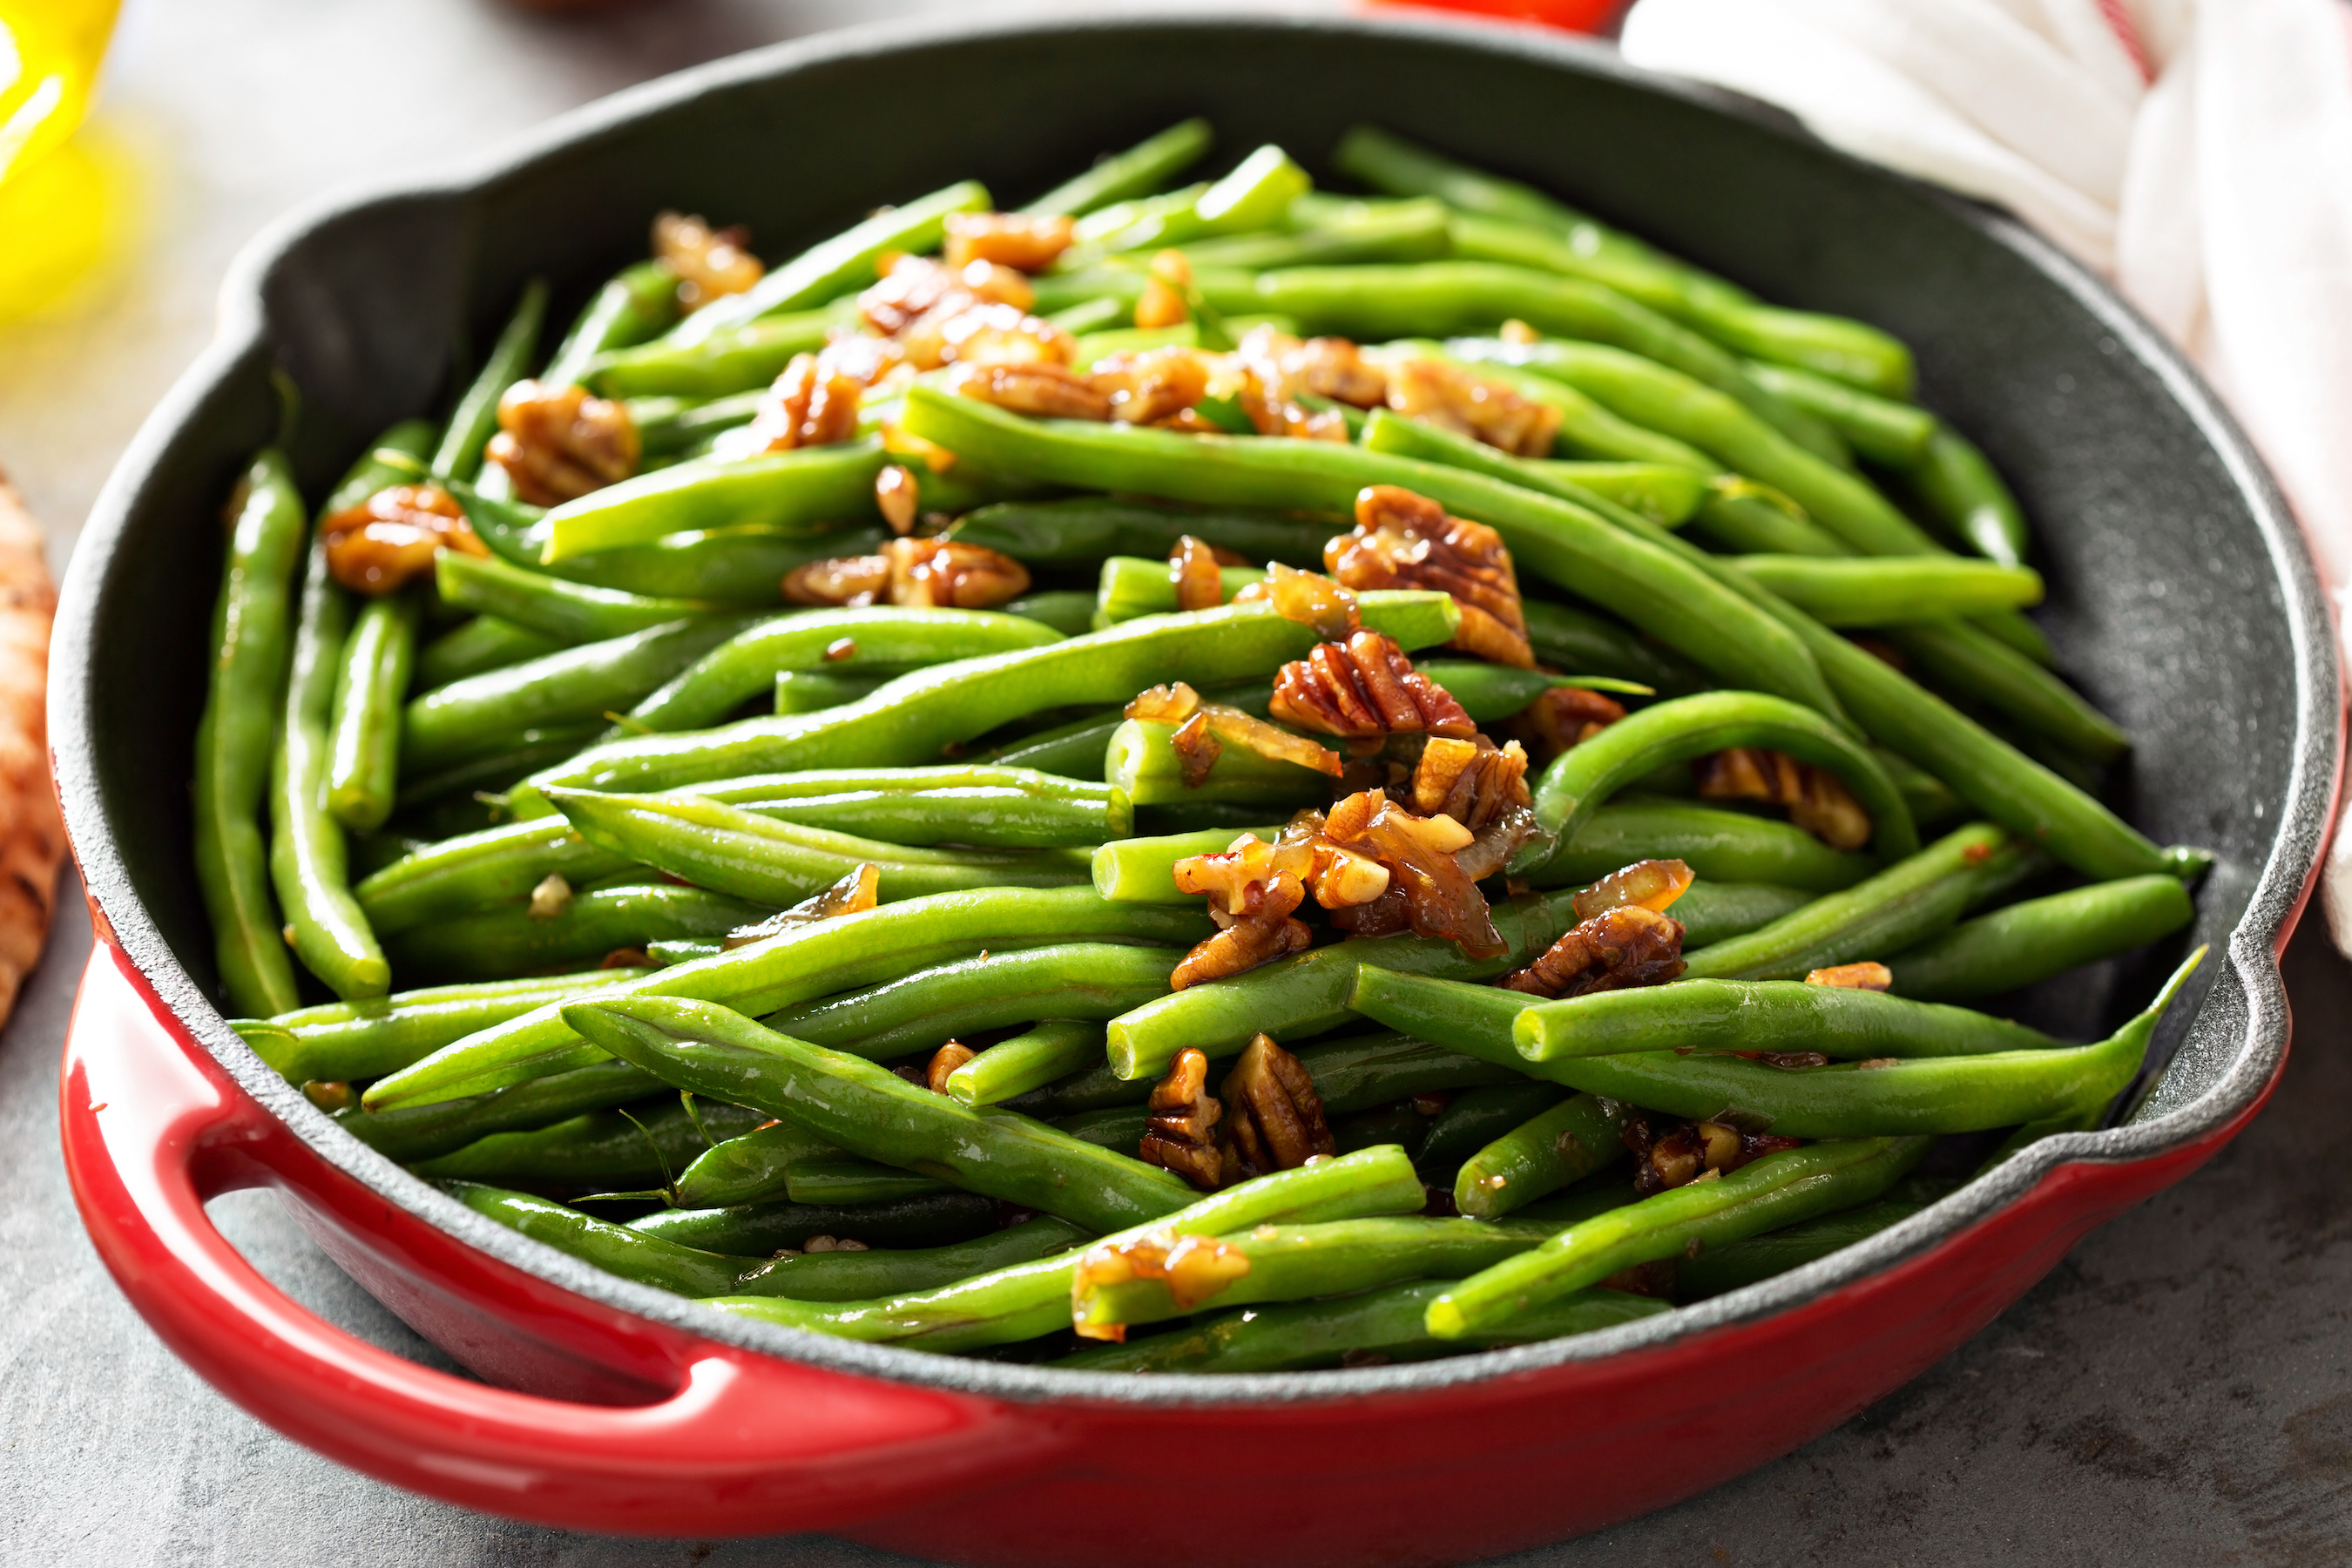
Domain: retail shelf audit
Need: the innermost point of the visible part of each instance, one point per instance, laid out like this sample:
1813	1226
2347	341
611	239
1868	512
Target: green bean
508	939
739	359
674	427
1133	586
1903	905
602	1150
532	749
344	1040
1721	1270
740	852
1142	763
871	1112
835	266
422	1132
1748	519
963	803
746	665
1687	728
307	854
1305	995
1966	663
927	1008
267	532
1117	1126
786	492
482	712
476	418
1028	1300
1308	1335
569	612
1492	692
807	961
1778	1189
1878	429
1560	542
735	566
1665	493
1717	911
1066	610
1763	1016
1075	750
1288	1263
363	726
1356	232
1027	1062
1718	845
638	302
1142	169
1477	1119
478	647
747	1168
913	717
1578	639
1549	1151
2037	939
759	1229
1830	346
1845	1100
1082	530
1966	493
1891	590
857	1276
851	1184
814	690
1143	870
1254	196
616	1249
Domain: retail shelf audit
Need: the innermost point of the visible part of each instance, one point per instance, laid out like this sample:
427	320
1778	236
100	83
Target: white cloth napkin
2197	152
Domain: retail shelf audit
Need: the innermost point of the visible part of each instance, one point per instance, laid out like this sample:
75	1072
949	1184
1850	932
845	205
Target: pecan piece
913	287
1406	541
1619	948
944	1061
1441	899
1259	932
987	335
1363	689
1675	1153
709	262
1193	1268
1562	717
1276	1122
944	574
1181	1133
1307	597
813	404
1453	399
845	579
1330	368
896	495
1182	705
1155	385
559	442
1865	976
1162	302
1470	781
1018	240
857	892
1052	391
1816	798
392	537
1653	884
1200	578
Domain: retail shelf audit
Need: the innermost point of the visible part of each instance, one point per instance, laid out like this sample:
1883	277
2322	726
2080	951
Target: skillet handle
720	1440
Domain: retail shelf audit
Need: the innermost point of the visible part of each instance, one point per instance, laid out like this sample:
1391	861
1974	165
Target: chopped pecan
1330	368
913	287
1181	705
1053	391
1363	689
1562	717
1307	597
857	892
944	1061
1469	780
1865	976
1199	580
986	335
1515	331
1162	302
1276	1121
1181	1133
896	495
550	898
1818	800
1653	884
813	404
1152	386
329	1095
946	575
1453	399
1018	240
1193	1268
848	580
709	262
559	442
1497	844
1675	1153
391	538
1260	930
1406	541
1441	899
1614	950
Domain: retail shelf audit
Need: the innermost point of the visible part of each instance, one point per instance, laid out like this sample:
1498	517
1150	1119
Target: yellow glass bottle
56	192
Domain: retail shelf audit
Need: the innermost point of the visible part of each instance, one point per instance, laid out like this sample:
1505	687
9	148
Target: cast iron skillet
2181	599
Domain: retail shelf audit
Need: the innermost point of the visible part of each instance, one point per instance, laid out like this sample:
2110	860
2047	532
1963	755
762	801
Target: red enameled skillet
2182	600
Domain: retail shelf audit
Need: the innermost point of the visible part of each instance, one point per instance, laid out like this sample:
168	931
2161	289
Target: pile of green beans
817	961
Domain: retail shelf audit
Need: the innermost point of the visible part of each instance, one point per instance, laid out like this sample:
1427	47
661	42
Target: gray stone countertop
2177	1391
